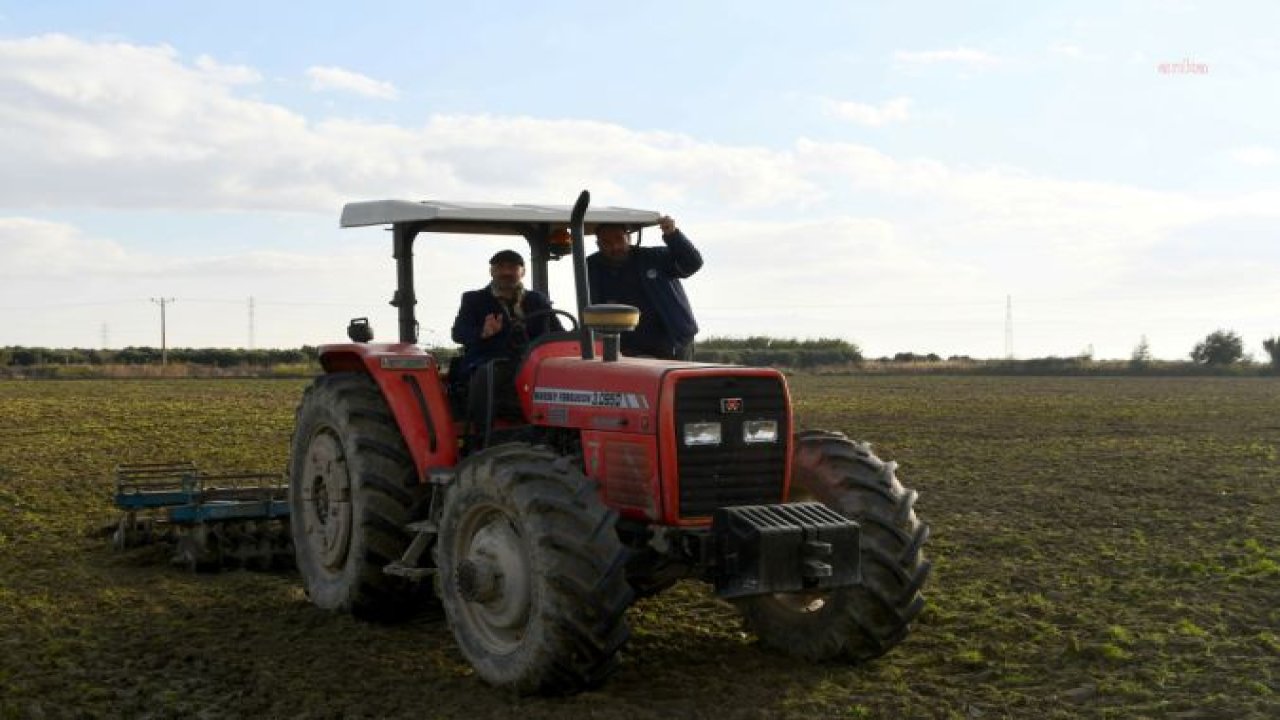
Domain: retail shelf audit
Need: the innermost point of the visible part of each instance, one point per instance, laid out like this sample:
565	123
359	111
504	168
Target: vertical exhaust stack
580	273
608	320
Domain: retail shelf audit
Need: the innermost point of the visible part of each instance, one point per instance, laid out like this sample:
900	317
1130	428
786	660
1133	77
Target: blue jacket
658	271
509	342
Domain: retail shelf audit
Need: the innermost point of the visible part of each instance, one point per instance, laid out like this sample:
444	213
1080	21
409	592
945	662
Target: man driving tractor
491	322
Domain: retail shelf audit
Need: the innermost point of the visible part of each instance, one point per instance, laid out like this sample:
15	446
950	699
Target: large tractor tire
351	486
532	574
864	621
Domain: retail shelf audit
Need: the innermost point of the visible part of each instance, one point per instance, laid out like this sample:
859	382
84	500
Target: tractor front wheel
351	486
532	574
866	620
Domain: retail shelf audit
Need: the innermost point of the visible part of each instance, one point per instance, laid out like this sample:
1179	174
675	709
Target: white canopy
484	218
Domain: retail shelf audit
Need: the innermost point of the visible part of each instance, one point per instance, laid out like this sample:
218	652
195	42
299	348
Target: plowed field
1101	547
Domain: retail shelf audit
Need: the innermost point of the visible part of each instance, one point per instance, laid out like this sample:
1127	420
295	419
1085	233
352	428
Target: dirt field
1101	548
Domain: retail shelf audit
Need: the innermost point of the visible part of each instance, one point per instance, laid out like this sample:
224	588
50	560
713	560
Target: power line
47	306
224	301
1056	301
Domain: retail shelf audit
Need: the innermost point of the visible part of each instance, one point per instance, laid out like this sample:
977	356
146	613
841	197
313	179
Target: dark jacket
657	271
510	341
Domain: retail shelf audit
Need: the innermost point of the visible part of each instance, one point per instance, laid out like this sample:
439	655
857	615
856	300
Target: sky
911	177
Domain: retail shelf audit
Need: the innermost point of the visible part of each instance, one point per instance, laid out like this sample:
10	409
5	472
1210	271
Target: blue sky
886	174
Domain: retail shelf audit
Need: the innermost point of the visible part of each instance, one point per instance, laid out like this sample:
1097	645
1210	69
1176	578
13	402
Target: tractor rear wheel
861	622
351	486
532	574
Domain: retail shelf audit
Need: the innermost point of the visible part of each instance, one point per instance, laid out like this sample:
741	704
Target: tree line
1220	349
1226	347
778	352
17	356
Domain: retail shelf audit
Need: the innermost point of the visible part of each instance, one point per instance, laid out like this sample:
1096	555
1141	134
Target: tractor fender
409	379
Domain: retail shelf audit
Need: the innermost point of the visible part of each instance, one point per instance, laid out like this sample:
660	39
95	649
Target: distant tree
1141	356
1272	346
1220	347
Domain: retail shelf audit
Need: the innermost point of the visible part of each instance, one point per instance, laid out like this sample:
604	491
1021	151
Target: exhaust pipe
576	218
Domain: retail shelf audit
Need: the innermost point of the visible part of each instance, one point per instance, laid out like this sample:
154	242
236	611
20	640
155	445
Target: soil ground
1101	548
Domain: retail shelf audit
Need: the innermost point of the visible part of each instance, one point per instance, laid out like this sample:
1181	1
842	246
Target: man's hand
492	326
667	225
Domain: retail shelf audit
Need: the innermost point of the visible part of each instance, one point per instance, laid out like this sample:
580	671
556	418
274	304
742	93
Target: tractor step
409	565
412	573
423	526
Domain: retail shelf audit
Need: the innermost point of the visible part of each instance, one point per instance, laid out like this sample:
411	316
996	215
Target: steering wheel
552	311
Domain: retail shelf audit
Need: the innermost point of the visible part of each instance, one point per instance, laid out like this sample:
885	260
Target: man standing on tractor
498	321
648	278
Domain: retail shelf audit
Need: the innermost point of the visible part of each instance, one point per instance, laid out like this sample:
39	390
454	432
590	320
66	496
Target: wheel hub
493	578
326	499
479	581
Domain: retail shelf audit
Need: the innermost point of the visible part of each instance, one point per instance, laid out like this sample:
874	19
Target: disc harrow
214	520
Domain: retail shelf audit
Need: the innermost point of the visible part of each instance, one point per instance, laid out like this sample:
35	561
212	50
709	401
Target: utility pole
250	322
164	347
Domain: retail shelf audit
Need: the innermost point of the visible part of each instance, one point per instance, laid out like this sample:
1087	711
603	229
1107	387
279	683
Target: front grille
733	472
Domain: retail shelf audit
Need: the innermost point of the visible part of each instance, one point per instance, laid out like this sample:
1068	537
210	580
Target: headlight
702	433
760	431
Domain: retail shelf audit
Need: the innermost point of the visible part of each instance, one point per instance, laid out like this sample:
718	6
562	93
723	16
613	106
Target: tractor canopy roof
485	218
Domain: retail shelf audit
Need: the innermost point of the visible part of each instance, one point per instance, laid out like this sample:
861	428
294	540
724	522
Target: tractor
531	504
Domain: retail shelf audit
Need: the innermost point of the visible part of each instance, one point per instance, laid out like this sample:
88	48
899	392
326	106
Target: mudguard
410	382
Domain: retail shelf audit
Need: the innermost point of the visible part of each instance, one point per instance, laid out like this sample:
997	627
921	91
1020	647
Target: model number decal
590	398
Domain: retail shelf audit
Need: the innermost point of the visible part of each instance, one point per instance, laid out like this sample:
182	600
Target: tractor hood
592	394
629	395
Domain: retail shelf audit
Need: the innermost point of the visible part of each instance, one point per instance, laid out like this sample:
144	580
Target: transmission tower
250	322
1008	327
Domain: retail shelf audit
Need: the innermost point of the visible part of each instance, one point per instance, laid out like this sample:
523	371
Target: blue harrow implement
214	520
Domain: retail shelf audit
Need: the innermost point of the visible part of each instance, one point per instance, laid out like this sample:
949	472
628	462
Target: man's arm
468	326
682	258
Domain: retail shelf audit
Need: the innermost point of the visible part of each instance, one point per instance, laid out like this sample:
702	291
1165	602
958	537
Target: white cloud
836	228
1067	50
1072	51
957	56
35	248
227	74
81	130
1255	156
896	110
38	248
334	78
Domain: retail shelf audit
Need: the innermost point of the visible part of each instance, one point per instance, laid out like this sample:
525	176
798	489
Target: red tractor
535	504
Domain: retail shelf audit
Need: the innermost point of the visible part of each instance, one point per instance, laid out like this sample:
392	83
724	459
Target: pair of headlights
711	433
